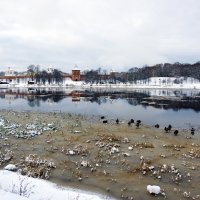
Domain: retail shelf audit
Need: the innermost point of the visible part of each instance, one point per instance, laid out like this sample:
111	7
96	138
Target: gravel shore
115	159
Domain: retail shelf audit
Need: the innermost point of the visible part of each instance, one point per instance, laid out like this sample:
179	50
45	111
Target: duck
176	132
192	131
117	121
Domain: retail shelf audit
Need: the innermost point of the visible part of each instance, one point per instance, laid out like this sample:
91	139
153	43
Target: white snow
2	122
10	167
114	150
150	83
37	189
72	152
130	148
85	163
153	189
153	83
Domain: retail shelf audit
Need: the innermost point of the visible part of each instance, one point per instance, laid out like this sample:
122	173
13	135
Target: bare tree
44	76
57	76
31	71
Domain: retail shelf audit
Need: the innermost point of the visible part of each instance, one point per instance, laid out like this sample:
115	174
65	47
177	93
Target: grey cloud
110	33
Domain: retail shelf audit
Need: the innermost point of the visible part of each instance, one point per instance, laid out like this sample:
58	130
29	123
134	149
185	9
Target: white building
9	72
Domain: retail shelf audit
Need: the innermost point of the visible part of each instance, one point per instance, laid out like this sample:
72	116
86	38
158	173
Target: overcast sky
115	34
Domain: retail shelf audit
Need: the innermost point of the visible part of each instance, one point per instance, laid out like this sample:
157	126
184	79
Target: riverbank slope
113	159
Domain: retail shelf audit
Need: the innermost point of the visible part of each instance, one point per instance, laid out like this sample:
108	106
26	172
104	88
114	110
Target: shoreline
83	85
35	186
121	160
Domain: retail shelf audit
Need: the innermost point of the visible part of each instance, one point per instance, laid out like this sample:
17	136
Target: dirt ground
114	159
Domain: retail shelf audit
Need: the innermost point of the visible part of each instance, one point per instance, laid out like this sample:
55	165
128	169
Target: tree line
165	70
55	76
134	74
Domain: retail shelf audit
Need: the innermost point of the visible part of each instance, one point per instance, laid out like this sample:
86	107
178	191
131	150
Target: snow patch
153	189
10	167
39	189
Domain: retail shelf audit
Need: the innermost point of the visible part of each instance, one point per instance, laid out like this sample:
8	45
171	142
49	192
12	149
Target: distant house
9	72
16	79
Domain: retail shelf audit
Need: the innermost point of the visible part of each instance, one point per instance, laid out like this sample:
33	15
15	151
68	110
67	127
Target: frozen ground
14	186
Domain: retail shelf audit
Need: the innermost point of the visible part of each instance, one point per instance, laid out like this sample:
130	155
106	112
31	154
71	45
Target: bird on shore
105	121
157	126
169	127
129	123
137	125
117	121
166	129
176	132
192	131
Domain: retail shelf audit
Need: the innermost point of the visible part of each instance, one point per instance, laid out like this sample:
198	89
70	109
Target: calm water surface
182	110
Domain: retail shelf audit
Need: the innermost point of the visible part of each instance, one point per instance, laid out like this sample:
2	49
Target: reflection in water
151	106
162	99
32	102
175	100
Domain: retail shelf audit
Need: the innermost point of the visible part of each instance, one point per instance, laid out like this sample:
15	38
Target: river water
181	108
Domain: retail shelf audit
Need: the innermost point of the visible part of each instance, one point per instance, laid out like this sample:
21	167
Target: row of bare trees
55	76
137	74
132	75
165	70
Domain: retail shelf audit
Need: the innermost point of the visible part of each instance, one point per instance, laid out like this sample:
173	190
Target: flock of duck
167	129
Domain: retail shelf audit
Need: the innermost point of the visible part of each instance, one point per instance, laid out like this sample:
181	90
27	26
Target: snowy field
14	186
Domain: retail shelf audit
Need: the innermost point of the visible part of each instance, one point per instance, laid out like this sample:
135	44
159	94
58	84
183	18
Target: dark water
179	108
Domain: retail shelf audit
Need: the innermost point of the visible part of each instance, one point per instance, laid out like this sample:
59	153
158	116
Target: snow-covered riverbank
14	186
115	159
151	83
